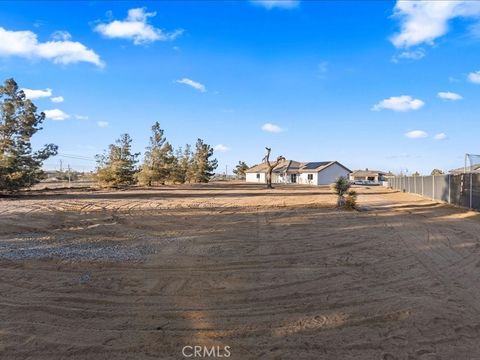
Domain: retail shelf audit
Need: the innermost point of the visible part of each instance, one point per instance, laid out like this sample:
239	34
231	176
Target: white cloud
61	35
440	136
416	134
37	94
322	69
221	148
196	85
102	124
474	77
425	21
25	44
416	54
136	28
56	114
281	4
399	103
81	117
57	99
447	95
269	127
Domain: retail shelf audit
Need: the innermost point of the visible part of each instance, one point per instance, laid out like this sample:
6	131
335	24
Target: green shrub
351	200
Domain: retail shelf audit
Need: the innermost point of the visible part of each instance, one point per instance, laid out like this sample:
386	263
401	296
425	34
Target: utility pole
61	165
69	175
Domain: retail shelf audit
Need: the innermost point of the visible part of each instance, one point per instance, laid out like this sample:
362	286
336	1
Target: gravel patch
28	249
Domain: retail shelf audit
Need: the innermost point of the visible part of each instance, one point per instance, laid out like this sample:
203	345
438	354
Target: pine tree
117	166
176	174
187	164
203	166
19	166
159	160
240	169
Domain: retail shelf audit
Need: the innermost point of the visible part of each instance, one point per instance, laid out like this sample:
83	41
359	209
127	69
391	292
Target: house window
310	176
258	176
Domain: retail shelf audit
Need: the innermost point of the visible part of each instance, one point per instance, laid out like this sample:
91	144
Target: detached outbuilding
369	175
295	172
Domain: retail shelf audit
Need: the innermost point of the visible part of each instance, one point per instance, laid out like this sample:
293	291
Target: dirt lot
278	274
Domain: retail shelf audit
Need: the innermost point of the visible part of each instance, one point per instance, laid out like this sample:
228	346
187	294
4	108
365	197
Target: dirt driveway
272	274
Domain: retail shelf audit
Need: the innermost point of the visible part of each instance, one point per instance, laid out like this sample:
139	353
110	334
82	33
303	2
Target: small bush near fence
461	190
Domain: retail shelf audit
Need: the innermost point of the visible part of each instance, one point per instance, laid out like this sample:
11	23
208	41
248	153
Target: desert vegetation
346	198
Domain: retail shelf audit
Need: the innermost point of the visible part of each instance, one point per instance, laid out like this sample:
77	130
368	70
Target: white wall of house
277	178
252	177
375	177
324	177
330	174
303	178
261	178
283	178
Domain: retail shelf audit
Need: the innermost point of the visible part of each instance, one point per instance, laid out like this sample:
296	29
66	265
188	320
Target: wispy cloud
135	27
57	99
416	134
416	54
474	77
56	114
61	35
36	94
194	84
448	95
440	136
272	128
322	69
399	103
102	124
221	148
25	44
281	4
80	117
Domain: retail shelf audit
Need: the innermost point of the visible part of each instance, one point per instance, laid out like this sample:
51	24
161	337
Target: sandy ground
273	274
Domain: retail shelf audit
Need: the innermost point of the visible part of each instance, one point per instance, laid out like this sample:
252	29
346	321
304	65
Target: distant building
295	172
369	175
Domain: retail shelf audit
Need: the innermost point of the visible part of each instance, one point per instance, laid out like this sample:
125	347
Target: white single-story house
370	175
295	172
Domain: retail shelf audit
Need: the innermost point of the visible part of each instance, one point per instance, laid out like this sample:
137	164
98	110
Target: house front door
293	178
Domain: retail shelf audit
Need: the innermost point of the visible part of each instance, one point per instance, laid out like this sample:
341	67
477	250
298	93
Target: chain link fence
460	190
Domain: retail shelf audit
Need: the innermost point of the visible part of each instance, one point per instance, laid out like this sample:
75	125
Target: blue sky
382	85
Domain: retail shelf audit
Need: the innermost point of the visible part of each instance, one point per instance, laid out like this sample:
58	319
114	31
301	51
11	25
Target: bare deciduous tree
270	166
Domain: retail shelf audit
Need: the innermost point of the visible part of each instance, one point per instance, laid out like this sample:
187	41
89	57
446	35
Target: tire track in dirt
290	281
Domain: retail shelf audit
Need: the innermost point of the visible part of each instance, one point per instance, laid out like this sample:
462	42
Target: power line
76	157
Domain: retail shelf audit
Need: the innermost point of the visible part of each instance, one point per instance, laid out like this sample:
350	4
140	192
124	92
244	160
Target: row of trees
161	164
21	167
